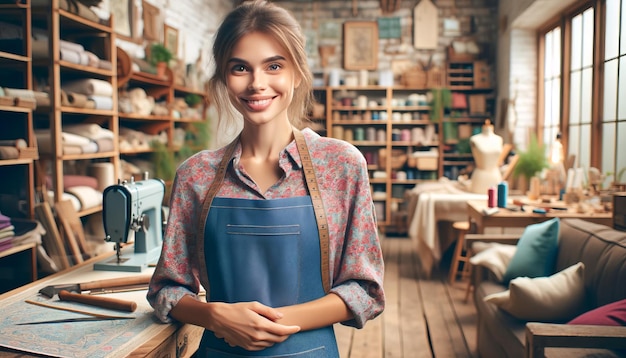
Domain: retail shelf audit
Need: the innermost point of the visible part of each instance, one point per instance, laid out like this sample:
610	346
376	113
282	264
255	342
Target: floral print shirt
355	255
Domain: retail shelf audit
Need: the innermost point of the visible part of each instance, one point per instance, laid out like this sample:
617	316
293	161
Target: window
552	86
614	110
584	76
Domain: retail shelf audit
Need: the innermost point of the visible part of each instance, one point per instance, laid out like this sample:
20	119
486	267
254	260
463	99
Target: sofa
602	250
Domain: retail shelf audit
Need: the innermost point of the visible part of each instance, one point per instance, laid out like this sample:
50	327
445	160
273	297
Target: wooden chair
461	228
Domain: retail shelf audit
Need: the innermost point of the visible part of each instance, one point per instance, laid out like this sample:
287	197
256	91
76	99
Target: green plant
193	99
532	160
159	53
440	102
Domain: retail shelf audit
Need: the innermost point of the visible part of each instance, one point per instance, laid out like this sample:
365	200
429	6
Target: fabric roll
17	143
42	99
71	180
88	197
9	153
105	65
92	59
71	56
44	141
102	102
72	46
66	196
72	149
19	93
104	145
77	100
104	174
89	130
89	87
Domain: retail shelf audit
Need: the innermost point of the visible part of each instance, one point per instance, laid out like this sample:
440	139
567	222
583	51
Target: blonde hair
267	18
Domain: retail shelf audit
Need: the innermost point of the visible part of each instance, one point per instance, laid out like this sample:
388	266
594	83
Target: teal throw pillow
536	252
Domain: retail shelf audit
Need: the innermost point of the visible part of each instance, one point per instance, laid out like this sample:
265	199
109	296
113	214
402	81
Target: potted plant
160	56
531	161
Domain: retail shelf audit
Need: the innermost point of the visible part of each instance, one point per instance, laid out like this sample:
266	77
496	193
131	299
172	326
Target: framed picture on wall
360	45
170	39
123	13
151	20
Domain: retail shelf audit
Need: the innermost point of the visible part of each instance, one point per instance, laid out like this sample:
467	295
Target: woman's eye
238	68
274	67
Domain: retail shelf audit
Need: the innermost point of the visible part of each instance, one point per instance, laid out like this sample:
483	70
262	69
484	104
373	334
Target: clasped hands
250	325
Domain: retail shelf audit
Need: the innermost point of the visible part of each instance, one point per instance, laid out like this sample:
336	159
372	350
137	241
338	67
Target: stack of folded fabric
98	93
101	136
81	190
6	233
70	143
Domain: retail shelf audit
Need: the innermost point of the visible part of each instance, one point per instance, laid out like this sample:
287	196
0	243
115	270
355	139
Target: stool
461	227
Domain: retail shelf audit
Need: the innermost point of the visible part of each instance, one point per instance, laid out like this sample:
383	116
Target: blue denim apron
266	251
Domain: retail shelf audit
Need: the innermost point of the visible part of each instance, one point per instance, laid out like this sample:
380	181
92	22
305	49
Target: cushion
556	298
495	257
536	251
612	314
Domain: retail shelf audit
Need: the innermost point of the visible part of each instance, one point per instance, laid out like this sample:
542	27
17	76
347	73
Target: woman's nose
257	81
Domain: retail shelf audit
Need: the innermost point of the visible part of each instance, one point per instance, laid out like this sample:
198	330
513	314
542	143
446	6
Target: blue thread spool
503	192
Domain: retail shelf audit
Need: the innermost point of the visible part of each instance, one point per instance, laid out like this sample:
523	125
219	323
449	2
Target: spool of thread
491	197
381	135
401	175
370	134
503	192
338	132
405	135
348	135
359	134
361	101
395	135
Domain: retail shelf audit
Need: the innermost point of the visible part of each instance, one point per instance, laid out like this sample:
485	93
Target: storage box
477	104
426	163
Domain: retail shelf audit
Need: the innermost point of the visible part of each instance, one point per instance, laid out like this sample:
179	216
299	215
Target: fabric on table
430	203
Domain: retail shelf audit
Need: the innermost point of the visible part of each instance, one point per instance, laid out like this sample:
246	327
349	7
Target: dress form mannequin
486	148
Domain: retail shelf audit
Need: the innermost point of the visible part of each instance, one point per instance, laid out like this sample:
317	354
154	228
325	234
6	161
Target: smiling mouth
257	104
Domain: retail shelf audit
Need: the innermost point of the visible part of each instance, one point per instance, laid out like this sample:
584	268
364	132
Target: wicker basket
398	158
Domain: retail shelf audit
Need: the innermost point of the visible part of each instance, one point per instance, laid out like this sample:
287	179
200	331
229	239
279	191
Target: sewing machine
133	208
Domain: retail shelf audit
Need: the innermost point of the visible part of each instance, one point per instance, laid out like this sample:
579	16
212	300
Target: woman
278	226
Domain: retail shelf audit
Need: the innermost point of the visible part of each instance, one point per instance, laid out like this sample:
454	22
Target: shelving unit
98	39
16	118
388	125
397	120
162	89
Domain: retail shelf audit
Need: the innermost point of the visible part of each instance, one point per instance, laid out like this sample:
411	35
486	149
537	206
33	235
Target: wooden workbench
143	336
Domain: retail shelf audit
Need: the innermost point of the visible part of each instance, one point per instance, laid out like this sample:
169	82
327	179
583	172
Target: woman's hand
250	325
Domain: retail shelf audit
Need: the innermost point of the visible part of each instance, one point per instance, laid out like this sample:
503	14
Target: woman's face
260	79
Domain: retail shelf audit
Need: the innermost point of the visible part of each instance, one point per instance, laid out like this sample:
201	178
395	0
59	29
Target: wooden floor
423	317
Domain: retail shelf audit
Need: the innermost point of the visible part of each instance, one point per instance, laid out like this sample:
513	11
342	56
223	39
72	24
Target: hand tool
94	316
78	319
99	301
52	290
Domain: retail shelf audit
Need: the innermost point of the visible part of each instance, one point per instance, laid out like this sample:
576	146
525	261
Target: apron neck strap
311	183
